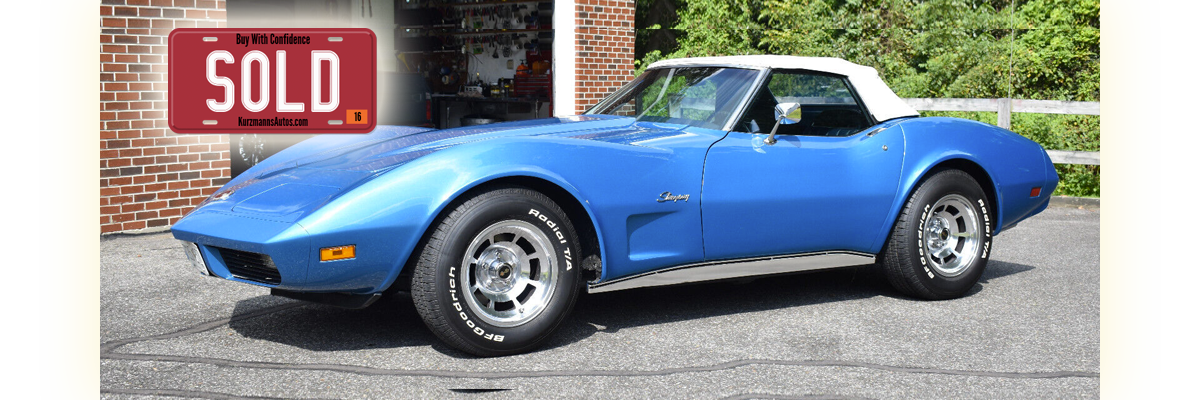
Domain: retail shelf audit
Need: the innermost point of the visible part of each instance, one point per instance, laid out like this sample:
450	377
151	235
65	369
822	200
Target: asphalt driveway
1030	329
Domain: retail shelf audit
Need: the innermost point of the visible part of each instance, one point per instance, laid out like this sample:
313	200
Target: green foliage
1024	49
652	56
716	28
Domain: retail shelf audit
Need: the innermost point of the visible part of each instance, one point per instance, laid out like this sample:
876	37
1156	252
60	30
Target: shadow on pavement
393	322
999	269
617	310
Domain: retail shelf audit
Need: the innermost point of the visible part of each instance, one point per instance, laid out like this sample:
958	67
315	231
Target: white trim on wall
564	58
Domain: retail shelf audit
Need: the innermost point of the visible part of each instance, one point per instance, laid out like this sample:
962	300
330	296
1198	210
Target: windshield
704	97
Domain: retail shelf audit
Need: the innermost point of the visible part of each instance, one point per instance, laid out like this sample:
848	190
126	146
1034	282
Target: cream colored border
67	215
1132	225
67	200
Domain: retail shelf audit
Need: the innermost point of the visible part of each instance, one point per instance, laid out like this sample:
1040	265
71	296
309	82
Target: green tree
712	28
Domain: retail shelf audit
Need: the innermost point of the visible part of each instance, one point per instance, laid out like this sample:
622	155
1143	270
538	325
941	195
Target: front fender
387	216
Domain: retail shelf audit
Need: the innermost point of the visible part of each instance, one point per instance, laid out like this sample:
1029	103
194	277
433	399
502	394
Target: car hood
313	172
390	147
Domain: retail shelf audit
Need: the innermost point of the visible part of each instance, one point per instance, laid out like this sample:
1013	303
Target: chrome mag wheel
495	276
510	273
951	235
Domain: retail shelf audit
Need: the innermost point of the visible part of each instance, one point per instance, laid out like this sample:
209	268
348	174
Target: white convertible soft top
876	95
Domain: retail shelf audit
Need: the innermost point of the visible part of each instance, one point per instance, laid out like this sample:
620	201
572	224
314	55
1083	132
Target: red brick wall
149	176
603	49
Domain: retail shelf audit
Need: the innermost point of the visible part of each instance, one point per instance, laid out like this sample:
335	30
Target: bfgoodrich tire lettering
499	272
939	246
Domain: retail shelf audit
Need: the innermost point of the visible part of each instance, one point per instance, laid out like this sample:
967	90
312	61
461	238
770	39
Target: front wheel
498	273
939	246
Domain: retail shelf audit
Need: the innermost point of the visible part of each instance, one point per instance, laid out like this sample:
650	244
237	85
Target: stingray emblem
667	196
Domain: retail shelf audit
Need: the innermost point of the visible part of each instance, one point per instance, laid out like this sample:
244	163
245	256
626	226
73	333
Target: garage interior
483	62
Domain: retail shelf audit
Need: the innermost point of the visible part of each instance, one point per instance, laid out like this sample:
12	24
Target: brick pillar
603	49
149	176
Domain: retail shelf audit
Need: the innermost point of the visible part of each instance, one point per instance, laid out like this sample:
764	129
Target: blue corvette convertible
699	169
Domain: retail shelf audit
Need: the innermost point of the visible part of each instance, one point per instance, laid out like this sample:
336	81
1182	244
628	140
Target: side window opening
827	105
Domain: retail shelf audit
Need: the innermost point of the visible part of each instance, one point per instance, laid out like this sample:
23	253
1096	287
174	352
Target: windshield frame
760	74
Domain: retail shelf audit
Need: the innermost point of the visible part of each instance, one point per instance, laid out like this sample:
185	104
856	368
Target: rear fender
1011	162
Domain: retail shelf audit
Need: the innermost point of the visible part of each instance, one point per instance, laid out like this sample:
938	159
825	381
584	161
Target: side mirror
785	114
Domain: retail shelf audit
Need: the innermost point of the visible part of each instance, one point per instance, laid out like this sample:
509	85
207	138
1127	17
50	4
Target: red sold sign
271	80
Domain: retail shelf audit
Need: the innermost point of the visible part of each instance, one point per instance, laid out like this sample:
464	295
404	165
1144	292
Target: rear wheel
939	246
497	275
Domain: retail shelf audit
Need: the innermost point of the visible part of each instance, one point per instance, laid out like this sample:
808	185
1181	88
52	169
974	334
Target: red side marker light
1037	191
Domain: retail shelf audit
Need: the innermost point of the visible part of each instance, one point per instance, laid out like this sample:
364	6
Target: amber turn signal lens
337	253
1037	191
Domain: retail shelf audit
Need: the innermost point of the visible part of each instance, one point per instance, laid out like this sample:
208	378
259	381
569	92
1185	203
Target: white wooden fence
1005	107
